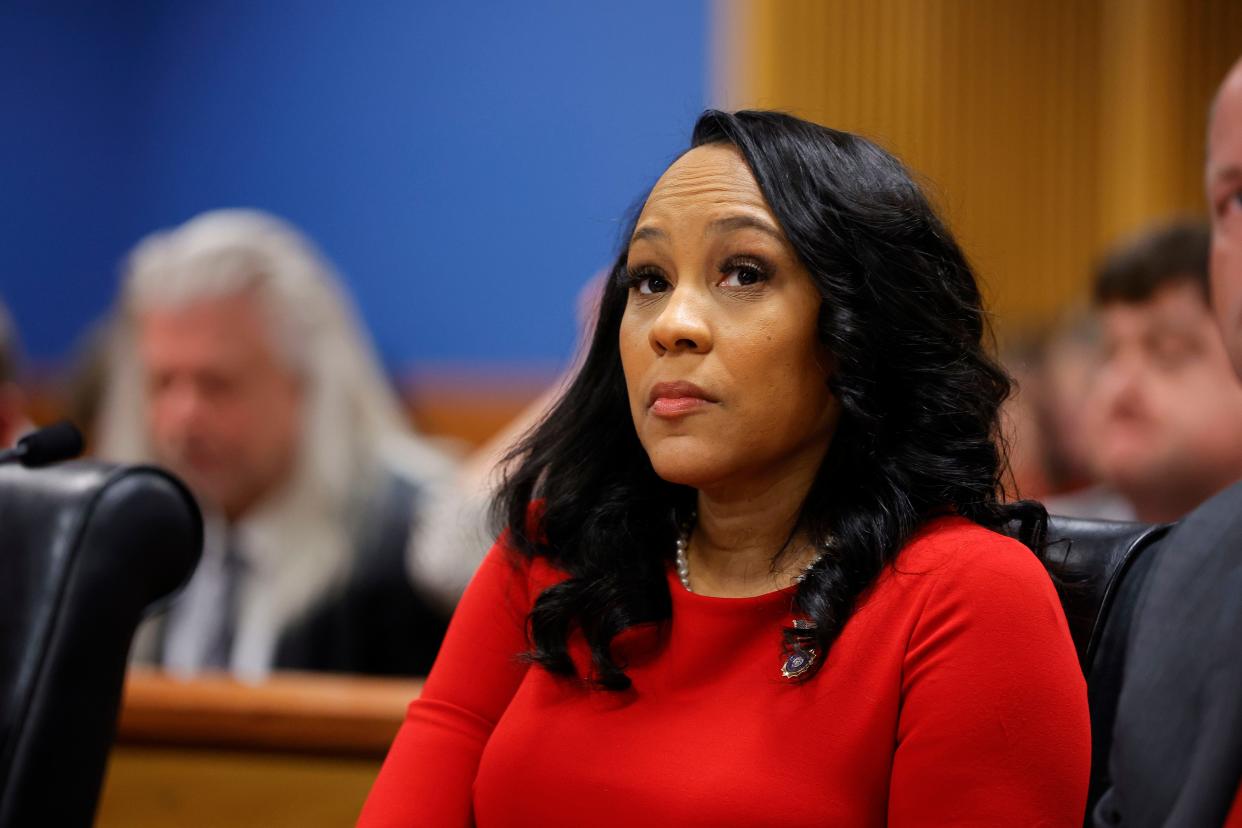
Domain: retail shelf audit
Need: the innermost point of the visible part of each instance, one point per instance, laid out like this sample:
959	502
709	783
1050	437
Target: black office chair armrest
85	548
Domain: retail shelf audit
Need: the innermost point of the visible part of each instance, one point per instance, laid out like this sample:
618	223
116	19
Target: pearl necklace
683	561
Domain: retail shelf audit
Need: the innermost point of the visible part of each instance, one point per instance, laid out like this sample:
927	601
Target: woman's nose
683	323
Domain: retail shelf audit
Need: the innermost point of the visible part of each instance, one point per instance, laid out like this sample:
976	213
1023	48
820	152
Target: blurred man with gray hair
238	364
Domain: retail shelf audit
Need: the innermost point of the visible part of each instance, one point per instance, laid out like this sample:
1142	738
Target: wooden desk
298	750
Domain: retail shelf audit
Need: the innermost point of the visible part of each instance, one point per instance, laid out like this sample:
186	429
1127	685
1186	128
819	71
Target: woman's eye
651	284
743	276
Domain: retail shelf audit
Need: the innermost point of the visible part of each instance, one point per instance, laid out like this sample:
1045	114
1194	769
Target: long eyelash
632	278
751	263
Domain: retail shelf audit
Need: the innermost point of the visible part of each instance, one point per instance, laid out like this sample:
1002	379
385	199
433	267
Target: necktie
219	650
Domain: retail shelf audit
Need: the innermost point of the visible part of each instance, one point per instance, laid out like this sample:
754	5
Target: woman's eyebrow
720	225
648	232
742	222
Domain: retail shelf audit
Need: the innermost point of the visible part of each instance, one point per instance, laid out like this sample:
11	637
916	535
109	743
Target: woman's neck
740	530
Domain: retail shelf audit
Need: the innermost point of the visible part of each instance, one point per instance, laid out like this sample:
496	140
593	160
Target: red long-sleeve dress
952	698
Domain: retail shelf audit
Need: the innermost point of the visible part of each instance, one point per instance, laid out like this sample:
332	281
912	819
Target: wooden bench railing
299	749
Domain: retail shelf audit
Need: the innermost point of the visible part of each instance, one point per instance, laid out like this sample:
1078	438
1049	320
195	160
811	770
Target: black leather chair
1098	564
1100	567
85	549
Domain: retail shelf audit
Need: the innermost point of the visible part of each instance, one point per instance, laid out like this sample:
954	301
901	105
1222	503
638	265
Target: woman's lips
676	399
676	406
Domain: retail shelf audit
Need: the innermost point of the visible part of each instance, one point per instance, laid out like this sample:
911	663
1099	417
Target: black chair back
1100	567
1091	560
85	549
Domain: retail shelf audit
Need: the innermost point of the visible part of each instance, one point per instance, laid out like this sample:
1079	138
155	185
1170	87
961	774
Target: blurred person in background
1019	423
12	401
1164	412
1176	757
1043	418
85	378
236	361
1067	361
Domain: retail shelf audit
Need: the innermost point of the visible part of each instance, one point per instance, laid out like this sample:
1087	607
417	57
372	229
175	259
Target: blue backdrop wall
465	165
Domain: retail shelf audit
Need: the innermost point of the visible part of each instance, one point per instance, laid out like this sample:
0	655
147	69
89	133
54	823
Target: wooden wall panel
1044	128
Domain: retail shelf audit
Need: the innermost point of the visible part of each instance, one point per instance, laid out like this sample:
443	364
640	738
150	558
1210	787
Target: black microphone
60	441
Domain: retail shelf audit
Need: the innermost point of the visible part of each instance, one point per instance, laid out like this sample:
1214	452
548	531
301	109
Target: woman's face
727	378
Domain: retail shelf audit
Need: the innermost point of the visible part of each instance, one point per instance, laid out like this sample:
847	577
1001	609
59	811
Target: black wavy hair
918	434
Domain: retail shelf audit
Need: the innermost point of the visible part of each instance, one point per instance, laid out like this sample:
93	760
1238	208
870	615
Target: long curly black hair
918	434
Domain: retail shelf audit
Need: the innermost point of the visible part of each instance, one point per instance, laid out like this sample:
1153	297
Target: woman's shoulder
972	557
962	585
520	578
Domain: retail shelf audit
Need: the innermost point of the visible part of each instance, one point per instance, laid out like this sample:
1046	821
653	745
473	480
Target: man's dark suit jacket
375	622
1177	743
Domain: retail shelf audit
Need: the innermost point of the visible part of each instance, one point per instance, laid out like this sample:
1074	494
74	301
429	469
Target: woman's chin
687	471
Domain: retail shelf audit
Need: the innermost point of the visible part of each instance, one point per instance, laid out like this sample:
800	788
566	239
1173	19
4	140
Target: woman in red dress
761	582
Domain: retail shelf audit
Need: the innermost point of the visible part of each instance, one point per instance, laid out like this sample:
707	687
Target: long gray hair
352	416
